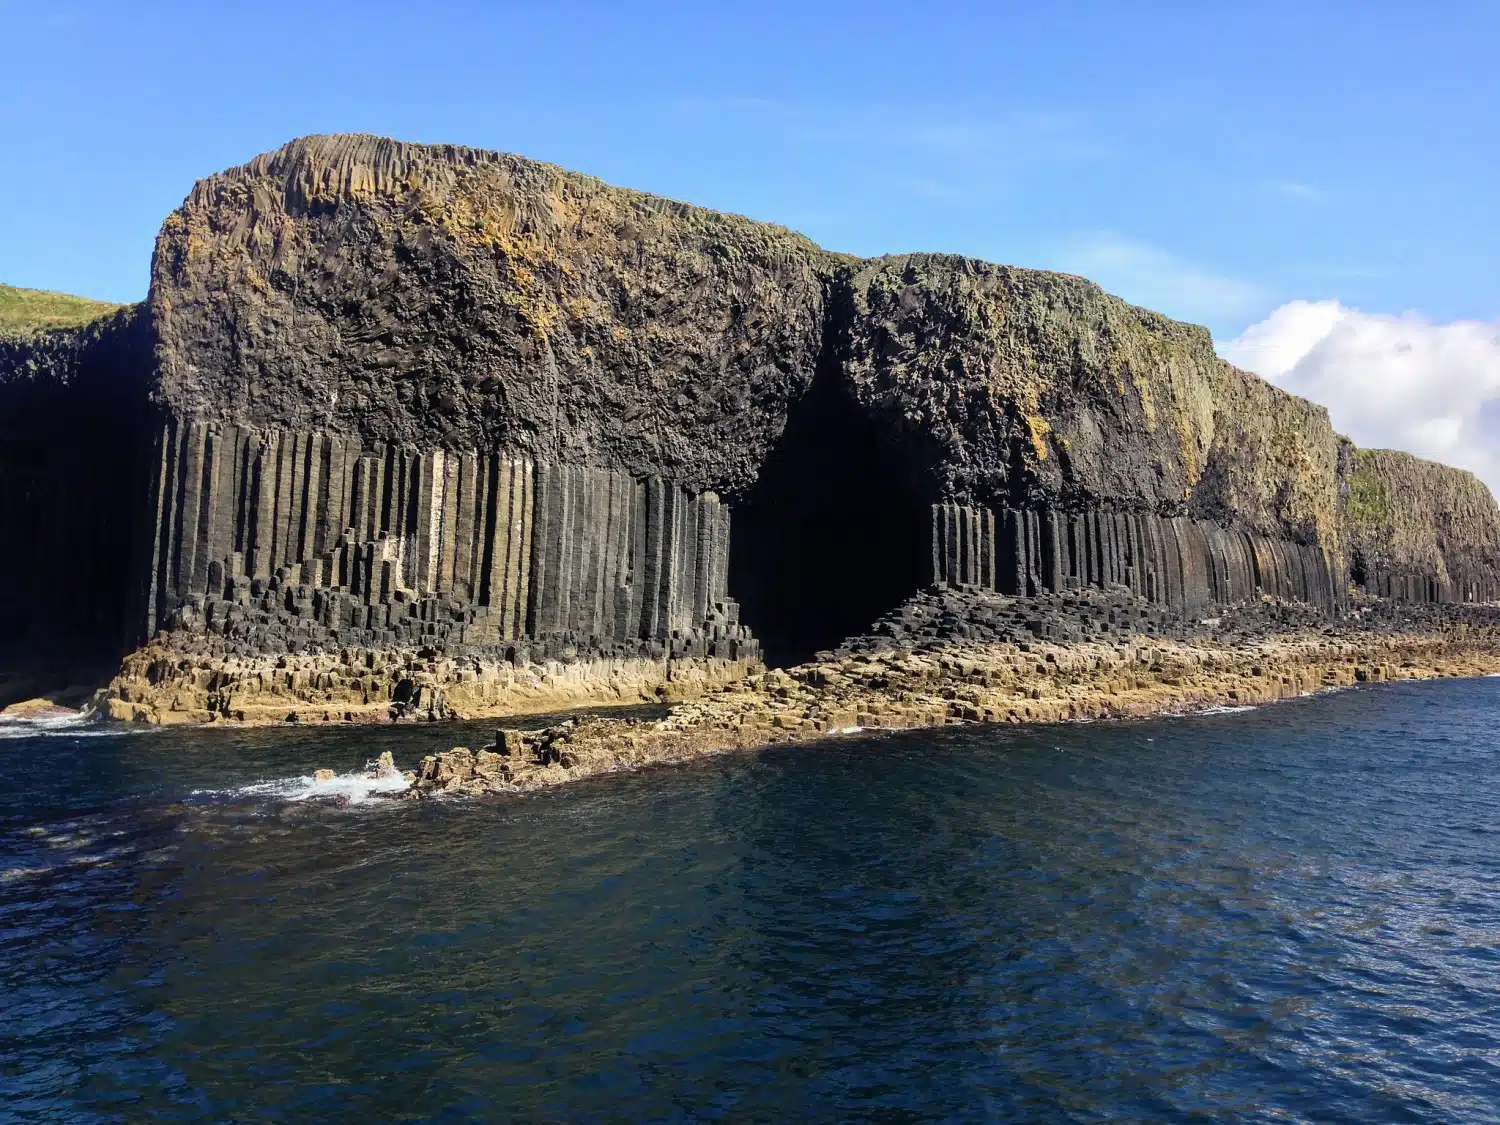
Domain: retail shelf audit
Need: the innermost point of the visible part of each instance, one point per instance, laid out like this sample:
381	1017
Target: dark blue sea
1286	914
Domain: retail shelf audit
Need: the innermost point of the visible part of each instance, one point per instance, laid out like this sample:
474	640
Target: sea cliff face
444	297
436	406
1021	388
73	526
1419	530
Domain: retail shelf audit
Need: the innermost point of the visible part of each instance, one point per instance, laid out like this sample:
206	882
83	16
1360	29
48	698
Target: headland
409	432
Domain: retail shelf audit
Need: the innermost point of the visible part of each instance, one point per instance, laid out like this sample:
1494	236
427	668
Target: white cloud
1389	382
1147	276
1276	345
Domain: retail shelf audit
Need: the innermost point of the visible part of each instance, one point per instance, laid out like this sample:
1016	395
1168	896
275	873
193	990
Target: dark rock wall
309	539
72	519
444	297
1419	531
1026	389
1188	565
391	393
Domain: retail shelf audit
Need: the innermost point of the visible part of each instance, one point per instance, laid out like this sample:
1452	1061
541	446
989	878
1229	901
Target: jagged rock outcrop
387	397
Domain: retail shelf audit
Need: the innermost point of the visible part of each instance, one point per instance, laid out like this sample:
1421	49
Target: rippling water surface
1288	914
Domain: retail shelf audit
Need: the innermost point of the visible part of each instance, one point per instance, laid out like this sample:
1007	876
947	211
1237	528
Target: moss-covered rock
1408	517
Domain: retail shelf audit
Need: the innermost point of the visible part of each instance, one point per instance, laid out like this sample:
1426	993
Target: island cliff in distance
420	431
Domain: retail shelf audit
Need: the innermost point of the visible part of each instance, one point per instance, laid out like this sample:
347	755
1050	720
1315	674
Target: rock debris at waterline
974	683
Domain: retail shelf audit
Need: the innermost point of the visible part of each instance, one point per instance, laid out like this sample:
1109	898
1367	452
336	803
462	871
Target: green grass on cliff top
28	310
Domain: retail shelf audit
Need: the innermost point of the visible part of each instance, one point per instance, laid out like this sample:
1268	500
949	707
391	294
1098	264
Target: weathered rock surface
395	399
1026	389
449	297
166	683
1420	531
1261	654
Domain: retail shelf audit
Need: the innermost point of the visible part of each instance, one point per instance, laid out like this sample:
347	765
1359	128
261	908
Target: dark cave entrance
69	499
831	536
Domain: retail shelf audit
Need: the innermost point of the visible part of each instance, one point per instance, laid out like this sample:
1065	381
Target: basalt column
617	559
276	538
1189	565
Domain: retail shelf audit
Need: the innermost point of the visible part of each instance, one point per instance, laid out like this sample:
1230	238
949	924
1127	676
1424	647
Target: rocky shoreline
165	686
946	656
533	443
1256	655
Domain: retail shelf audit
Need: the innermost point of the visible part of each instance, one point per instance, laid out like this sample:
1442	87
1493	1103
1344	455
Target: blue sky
1218	163
1213	161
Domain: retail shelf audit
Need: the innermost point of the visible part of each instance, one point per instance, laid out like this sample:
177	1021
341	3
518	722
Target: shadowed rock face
387	395
1022	388
73	524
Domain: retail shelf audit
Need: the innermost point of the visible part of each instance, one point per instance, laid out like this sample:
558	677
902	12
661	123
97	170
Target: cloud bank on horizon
1389	382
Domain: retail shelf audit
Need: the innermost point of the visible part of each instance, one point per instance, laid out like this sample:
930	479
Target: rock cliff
447	297
387	397
1419	531
1024	389
73	525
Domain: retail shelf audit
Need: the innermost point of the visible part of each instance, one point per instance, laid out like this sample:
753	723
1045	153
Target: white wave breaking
345	788
87	723
72	723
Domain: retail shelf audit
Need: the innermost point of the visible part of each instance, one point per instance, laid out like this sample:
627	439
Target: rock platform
973	658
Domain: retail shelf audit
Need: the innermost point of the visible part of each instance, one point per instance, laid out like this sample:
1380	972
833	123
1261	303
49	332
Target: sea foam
346	788
54	723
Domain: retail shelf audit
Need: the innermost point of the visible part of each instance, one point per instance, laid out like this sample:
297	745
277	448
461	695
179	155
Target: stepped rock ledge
420	431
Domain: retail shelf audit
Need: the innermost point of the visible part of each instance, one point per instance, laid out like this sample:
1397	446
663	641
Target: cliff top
324	170
35	310
321	171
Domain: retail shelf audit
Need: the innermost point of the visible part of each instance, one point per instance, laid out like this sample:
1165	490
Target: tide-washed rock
383	768
461	771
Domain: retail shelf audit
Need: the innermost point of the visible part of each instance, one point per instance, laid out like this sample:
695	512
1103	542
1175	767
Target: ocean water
1285	914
